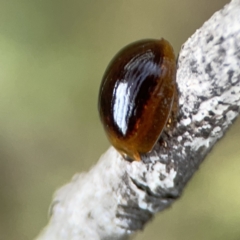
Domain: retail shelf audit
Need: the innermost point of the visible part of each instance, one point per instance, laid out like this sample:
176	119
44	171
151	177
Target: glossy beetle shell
136	96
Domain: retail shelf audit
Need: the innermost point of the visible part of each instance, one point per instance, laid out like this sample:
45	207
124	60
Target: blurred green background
52	56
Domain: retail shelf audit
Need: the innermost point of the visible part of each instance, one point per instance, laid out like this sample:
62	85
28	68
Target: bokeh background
52	56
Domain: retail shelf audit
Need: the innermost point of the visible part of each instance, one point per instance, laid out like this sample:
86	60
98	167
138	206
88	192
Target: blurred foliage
53	54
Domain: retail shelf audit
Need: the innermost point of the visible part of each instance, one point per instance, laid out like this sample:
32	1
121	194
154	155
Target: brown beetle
136	96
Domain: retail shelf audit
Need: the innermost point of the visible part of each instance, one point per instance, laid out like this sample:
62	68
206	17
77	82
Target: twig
116	198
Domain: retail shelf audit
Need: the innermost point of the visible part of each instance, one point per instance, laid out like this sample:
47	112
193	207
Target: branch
116	198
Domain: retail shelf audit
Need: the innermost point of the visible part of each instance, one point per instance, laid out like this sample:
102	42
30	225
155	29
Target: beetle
137	95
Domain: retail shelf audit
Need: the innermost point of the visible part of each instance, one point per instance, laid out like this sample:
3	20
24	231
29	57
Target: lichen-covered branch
116	198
